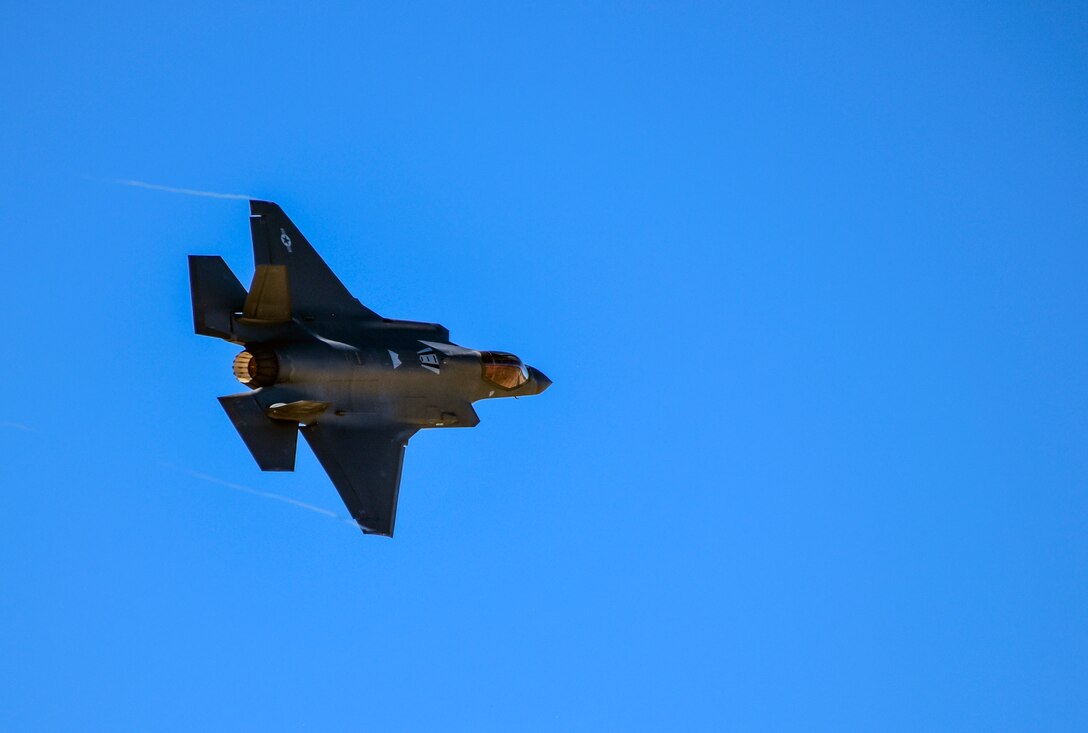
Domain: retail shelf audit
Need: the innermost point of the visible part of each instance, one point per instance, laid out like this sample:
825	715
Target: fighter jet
317	361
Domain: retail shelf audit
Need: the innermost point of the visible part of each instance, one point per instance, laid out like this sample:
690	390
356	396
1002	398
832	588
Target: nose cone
539	379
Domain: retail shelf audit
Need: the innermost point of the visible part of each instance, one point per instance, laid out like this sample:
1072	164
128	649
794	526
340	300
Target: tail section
269	299
217	295
272	442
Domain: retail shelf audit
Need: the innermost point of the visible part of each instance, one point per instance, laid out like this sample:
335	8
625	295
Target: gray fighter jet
316	359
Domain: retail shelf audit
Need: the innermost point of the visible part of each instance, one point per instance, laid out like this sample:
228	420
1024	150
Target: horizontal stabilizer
216	293
269	299
272	442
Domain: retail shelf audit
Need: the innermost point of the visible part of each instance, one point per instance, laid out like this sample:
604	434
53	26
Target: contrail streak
17	426
186	191
258	492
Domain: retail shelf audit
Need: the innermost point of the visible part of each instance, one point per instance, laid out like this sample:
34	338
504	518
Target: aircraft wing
315	291
364	465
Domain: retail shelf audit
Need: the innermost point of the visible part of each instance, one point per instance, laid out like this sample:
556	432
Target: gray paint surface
356	385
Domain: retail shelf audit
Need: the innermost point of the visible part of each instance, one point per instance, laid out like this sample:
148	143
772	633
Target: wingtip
260	206
361	525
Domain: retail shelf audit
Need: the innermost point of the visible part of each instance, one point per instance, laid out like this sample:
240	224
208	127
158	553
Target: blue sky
810	282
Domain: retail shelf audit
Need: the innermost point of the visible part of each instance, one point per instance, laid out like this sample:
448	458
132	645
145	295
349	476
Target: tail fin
269	299
217	295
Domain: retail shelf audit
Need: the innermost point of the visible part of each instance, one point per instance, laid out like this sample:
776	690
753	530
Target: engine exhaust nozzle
256	368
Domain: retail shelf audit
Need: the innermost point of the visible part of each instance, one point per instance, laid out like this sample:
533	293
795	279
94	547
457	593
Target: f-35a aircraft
356	385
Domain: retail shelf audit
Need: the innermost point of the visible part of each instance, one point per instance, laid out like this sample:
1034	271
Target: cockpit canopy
504	370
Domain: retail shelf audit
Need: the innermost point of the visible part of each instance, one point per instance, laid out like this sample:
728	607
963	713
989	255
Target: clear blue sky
811	284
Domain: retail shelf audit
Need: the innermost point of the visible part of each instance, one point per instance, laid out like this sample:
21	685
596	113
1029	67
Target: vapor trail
258	492
186	191
17	426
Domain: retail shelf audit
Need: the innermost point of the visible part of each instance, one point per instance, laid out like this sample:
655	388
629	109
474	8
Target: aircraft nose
540	379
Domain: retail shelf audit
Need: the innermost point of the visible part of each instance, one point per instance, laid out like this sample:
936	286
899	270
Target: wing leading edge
365	466
316	292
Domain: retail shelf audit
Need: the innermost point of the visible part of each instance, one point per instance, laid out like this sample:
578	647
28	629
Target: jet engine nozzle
256	368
